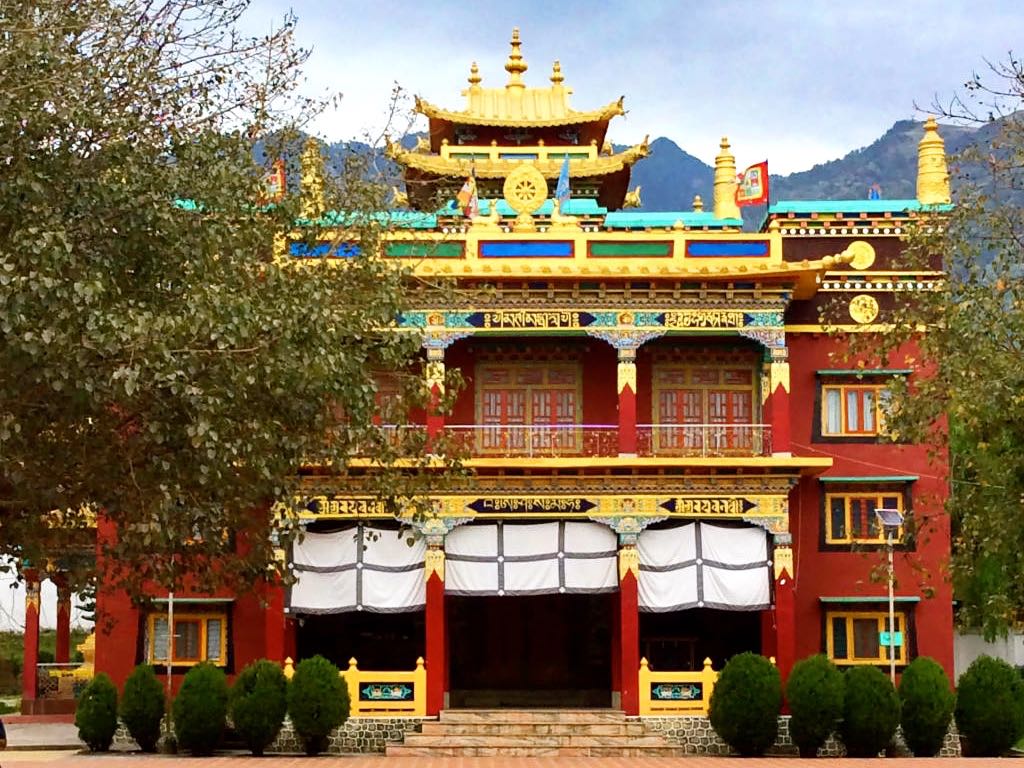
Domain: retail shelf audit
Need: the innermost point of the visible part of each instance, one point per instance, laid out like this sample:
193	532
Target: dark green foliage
871	712
926	706
96	713
201	709
258	704
317	702
746	702
142	707
814	692
990	707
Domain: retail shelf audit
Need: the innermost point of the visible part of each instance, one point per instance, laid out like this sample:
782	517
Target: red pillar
29	674
785	611
777	407
435	374
274	623
629	629
436	656
62	654
626	381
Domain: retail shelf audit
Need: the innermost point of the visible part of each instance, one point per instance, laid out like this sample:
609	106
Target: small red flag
753	185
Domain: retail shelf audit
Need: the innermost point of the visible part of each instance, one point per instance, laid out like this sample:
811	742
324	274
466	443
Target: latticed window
197	638
855	637
852	410
851	516
514	397
704	398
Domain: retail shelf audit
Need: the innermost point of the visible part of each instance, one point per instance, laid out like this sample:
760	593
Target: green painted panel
446	250
630	249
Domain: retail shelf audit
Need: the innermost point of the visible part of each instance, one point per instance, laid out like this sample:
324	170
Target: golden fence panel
382	694
675	693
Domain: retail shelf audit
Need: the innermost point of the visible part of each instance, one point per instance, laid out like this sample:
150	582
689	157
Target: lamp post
891	521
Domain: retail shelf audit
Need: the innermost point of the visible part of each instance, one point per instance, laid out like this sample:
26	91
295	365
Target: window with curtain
852	410
855	637
197	638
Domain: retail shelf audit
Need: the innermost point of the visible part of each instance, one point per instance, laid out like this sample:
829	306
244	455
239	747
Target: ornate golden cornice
535	108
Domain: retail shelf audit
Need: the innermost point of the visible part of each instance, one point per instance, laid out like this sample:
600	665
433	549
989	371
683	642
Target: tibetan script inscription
704	318
322	506
709	505
527	319
515	505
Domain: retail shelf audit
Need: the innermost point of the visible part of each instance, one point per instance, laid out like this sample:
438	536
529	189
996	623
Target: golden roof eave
567	116
499	169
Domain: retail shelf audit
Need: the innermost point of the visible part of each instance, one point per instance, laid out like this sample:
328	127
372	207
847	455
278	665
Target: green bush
96	713
871	711
258	704
201	709
814	692
926	706
317	702
142	707
745	704
990	707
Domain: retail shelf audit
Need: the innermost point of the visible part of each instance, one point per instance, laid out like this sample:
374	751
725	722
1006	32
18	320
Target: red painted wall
832	573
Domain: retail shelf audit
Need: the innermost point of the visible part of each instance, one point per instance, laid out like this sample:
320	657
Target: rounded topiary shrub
989	707
201	709
871	711
745	704
926	706
317	702
142	707
96	713
258	704
814	693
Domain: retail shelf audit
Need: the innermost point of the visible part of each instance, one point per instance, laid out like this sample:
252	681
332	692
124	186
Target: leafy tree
871	711
157	362
989	707
967	400
318	702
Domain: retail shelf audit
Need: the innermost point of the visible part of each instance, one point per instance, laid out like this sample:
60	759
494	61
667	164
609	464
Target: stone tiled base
696	736
363	734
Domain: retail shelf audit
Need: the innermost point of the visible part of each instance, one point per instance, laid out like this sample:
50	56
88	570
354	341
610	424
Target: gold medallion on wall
863	308
525	191
863	254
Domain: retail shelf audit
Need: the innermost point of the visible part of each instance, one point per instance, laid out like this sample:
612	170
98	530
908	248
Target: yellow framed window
197	638
855	637
850	517
852	410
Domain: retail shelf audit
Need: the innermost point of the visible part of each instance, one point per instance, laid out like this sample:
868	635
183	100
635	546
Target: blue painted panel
527	249
708	249
320	250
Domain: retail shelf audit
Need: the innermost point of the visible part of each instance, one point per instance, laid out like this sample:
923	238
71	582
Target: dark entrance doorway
681	640
536	651
384	641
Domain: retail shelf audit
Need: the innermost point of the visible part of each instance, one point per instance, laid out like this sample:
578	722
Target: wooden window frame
878	429
881	498
203	620
881	616
545	366
705	389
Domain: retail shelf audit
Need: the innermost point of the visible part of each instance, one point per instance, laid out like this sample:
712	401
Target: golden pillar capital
433	562
629	561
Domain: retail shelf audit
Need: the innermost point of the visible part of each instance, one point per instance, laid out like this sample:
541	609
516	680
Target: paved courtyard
26	759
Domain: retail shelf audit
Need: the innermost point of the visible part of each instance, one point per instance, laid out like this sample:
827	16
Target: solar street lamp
891	521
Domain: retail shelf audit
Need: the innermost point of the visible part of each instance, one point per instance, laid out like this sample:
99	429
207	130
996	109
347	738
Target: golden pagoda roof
496	168
515	104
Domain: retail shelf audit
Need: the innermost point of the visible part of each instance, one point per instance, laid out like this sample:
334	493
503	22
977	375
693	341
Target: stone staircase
533	733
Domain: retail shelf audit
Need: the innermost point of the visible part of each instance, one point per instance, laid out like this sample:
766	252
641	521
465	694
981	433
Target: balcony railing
551	440
705	440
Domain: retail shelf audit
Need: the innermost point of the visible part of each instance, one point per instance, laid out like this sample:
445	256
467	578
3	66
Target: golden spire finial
474	76
932	171
311	192
725	183
516	65
557	78
698	204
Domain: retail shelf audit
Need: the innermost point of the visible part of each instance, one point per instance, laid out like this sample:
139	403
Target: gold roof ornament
698	204
525	191
311	194
632	199
516	64
932	170
725	183
516	104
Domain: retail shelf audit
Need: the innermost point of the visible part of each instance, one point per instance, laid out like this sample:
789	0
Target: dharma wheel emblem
863	308
525	191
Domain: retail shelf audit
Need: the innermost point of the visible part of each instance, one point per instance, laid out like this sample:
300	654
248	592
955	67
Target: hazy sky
798	82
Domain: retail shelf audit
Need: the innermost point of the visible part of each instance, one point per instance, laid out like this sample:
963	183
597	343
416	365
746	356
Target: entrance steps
534	733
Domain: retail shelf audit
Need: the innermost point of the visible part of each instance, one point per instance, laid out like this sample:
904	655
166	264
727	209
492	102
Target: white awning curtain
362	568
700	565
530	559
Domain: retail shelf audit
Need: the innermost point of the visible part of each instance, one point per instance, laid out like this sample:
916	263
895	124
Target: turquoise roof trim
870	479
644	219
581	207
852	206
870	599
403	219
